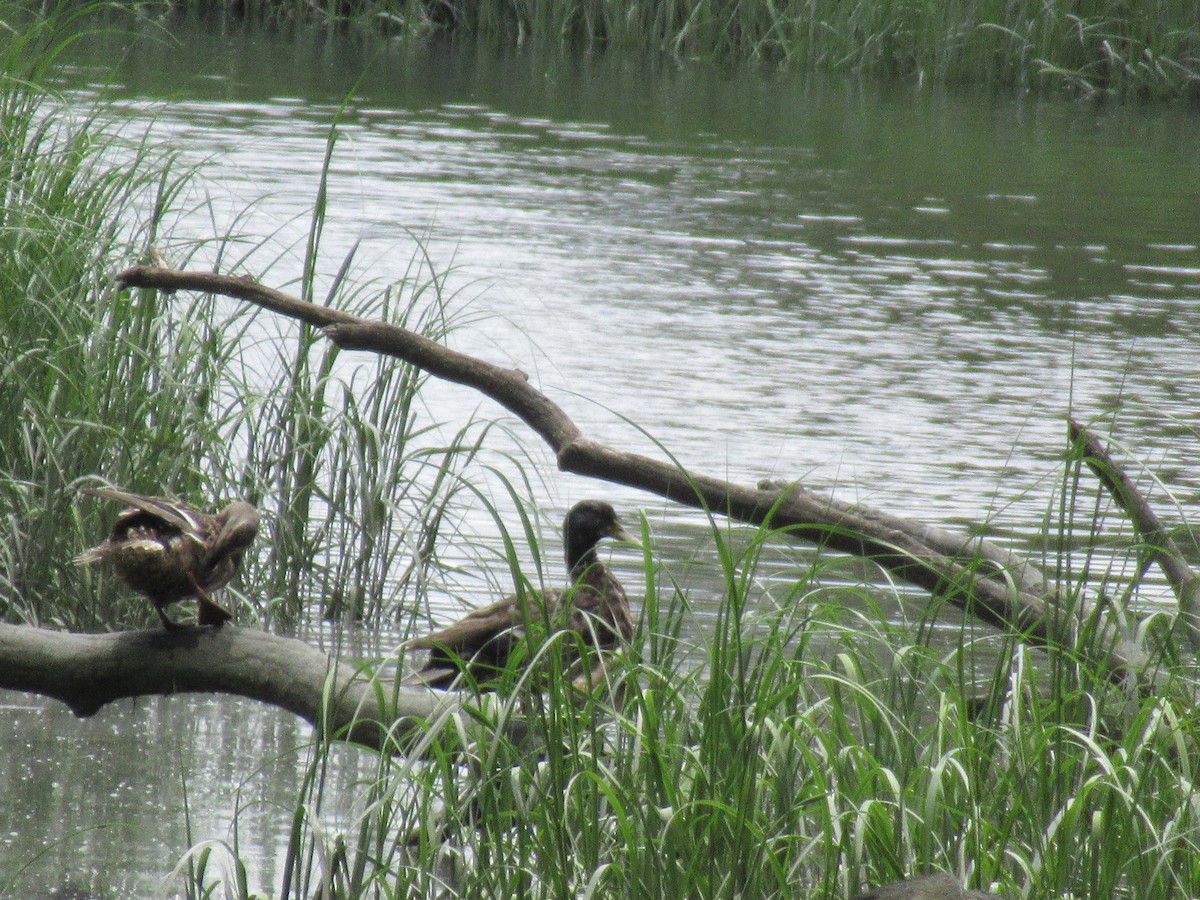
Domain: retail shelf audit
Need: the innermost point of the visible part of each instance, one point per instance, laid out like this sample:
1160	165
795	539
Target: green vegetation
1106	48
92	381
807	747
158	396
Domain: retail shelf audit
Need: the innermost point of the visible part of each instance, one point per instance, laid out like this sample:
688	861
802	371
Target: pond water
892	295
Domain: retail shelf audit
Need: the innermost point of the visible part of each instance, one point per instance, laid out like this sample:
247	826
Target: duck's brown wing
175	515
482	640
446	665
475	629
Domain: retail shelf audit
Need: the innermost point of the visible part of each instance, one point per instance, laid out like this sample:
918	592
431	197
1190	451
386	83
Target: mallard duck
169	551
593	604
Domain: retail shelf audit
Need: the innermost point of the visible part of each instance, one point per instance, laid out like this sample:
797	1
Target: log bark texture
88	671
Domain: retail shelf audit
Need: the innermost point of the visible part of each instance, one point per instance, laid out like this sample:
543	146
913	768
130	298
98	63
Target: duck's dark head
586	524
237	526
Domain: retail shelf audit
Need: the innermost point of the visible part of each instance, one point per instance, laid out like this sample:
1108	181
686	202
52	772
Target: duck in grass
169	551
593	605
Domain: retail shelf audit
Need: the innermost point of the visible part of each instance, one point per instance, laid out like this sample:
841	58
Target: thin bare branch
1183	580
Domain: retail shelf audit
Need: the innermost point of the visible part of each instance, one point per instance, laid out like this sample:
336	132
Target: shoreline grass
816	750
162	397
1109	49
92	380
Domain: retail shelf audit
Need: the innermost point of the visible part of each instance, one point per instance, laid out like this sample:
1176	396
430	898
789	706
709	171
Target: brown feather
593	605
168	551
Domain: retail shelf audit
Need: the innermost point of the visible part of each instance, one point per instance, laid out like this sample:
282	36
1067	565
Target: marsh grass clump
807	744
1106	49
179	395
357	480
92	381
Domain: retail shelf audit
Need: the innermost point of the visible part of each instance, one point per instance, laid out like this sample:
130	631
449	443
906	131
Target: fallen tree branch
972	573
346	702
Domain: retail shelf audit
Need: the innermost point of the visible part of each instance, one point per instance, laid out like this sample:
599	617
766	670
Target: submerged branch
974	574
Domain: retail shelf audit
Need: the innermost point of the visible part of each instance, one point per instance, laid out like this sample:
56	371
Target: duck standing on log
169	551
593	605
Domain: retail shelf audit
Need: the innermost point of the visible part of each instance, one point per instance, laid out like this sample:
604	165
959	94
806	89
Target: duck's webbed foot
210	611
168	623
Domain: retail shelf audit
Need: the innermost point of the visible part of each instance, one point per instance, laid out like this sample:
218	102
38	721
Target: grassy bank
81	392
1106	48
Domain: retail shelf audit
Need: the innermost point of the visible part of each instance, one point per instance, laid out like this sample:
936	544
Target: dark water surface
893	296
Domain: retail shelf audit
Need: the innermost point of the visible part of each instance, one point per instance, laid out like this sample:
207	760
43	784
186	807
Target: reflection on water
107	806
891	296
90	807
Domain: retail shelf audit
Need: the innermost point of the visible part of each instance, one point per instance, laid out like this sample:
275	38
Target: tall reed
813	748
165	394
93	381
1107	48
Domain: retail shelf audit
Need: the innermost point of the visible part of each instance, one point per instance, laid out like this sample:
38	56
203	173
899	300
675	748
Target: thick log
347	702
344	702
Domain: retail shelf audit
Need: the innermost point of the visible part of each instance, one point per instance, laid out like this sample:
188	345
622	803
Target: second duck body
593	604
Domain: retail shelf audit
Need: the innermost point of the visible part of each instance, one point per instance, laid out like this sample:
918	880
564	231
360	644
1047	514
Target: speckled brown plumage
168	551
593	604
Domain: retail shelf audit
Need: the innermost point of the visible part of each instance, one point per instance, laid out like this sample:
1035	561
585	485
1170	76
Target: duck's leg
161	609
210	611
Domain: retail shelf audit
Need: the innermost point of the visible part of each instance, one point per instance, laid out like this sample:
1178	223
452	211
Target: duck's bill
620	534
